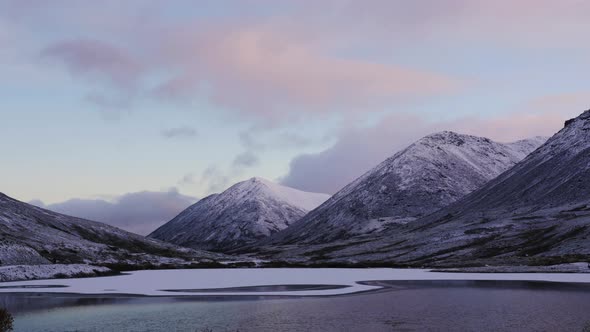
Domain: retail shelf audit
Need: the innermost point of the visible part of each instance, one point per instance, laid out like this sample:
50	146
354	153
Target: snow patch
303	199
50	271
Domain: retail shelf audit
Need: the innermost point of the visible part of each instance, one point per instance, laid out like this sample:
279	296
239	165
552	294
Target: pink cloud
544	115
512	23
511	127
290	65
263	70
266	70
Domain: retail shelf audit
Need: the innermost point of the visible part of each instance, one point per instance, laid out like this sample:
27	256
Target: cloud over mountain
138	212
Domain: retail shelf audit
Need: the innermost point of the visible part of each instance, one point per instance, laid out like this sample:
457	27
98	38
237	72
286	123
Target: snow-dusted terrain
51	271
246	212
13	254
536	213
31	235
178	282
448	200
430	174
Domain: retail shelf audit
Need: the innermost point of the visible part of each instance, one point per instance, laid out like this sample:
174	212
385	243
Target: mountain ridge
429	174
536	213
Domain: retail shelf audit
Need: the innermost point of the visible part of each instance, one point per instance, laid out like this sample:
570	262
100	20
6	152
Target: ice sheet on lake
153	282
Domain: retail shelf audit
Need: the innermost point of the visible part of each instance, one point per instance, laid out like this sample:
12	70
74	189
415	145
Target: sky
129	111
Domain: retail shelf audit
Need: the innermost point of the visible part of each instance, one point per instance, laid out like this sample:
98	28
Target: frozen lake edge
172	282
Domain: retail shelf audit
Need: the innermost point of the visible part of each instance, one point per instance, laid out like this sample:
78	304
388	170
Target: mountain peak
445	134
257	179
432	173
450	138
556	173
261	186
252	183
260	182
573	138
247	211
584	116
537	210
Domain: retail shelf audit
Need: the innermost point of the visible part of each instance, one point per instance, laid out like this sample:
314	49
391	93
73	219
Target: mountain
32	235
536	213
430	174
246	212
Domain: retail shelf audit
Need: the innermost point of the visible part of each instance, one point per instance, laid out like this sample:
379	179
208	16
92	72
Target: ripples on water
403	306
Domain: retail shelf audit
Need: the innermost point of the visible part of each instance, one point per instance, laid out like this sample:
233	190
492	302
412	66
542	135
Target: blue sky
104	100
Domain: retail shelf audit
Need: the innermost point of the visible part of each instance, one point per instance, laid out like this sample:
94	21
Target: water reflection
497	284
22	303
401	306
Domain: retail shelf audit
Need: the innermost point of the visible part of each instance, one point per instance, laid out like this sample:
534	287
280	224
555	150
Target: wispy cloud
179	132
246	159
214	179
187	179
95	58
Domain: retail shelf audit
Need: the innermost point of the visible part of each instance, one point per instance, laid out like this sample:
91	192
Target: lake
386	305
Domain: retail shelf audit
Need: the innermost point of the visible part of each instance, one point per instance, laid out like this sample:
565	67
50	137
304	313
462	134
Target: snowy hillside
526	146
51	271
432	173
536	213
246	212
31	235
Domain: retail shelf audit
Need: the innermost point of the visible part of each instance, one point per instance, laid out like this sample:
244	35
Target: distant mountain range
245	213
446	200
32	235
430	174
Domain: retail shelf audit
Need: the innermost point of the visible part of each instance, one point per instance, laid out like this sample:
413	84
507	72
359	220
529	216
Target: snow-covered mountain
430	174
246	212
537	212
32	235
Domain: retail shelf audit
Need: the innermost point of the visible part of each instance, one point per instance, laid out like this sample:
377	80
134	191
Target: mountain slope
31	235
246	212
538	212
428	175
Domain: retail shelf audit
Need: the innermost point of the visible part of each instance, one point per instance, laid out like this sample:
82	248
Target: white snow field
155	282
